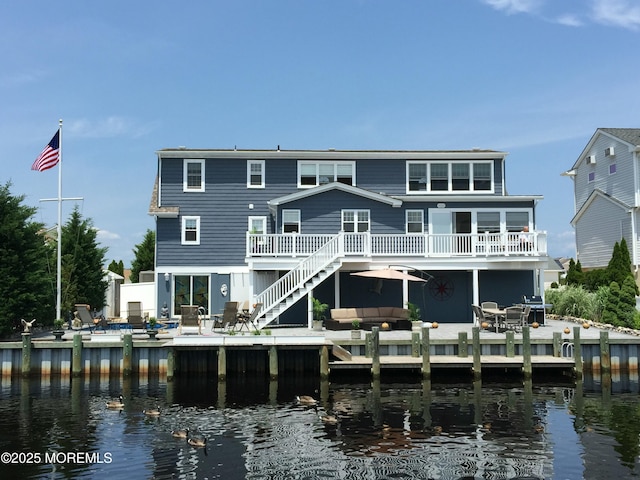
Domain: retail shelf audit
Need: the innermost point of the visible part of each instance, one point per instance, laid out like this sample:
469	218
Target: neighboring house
279	226
606	182
555	271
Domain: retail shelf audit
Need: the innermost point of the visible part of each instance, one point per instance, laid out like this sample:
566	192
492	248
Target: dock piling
76	356
477	362
426	354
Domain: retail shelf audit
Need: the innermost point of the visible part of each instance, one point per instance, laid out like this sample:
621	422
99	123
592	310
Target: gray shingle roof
629	135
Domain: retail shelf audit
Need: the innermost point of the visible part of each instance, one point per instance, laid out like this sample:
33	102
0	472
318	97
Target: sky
534	78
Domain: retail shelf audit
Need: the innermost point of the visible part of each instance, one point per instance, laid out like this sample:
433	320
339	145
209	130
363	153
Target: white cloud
569	20
18	79
113	126
618	13
107	235
514	6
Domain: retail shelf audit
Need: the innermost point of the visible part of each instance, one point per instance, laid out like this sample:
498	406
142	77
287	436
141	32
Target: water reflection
254	429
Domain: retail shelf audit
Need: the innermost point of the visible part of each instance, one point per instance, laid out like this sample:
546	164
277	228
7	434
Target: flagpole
59	260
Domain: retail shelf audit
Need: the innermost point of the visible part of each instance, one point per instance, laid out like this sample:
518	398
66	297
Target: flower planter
356	334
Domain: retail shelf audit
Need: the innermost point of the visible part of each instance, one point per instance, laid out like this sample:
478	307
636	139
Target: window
355	221
258	225
190	290
290	221
255	173
312	174
191	230
449	176
592	177
488	222
415	221
612	169
193	176
516	220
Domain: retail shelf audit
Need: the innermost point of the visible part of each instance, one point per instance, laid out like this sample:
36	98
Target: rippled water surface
255	429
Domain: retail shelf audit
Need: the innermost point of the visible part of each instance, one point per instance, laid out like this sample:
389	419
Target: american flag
50	156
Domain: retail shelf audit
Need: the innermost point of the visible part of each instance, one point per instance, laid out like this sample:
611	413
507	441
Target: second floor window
290	221
355	221
312	174
449	177
255	173
415	221
191	230
193	176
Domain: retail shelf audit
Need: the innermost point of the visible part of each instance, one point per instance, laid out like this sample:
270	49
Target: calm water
403	429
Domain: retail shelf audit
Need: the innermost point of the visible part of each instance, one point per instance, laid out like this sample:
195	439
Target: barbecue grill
537	308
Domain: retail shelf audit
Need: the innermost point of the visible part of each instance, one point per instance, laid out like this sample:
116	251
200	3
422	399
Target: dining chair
513	318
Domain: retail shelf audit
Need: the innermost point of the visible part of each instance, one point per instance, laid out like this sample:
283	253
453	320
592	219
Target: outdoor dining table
498	314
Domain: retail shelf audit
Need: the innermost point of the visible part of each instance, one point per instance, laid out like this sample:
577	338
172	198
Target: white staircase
295	284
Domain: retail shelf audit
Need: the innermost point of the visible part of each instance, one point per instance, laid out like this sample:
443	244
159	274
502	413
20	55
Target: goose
197	441
306	400
180	433
329	419
116	403
154	412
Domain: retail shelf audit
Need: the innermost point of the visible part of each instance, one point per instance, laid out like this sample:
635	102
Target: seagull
180	433
154	412
27	325
306	400
116	403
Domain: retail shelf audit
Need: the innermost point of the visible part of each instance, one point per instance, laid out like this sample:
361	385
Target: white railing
305	270
423	245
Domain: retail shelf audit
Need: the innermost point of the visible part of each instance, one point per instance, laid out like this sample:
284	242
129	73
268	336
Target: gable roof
597	193
334	186
630	136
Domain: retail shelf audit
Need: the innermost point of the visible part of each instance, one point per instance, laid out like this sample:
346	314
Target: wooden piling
510	344
477	362
415	344
527	368
127	354
76	356
375	357
324	362
605	353
557	344
273	362
577	352
222	364
463	345
171	363
426	354
26	354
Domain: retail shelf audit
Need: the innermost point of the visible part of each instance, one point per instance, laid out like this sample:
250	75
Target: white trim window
415	221
355	221
449	177
257	225
312	174
255	173
190	230
193	175
612	168
290	221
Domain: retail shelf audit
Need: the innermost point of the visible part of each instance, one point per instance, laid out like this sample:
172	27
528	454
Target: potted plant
414	317
355	329
151	328
318	309
57	328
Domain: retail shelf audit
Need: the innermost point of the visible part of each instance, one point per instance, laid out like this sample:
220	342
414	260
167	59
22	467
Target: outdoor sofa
342	318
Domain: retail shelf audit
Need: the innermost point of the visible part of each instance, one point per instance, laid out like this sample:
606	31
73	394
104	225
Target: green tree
27	289
83	279
116	267
619	266
145	256
574	273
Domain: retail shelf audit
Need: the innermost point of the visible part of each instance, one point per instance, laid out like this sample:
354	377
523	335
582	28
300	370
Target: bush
572	301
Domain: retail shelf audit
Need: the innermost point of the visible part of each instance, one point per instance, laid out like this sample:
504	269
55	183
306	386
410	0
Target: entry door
220	291
441	226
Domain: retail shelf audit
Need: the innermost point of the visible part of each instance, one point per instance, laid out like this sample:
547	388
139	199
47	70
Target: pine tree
116	267
145	256
627	305
27	289
619	266
574	273
83	279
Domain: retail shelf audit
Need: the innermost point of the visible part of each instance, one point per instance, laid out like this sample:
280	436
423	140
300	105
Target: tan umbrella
389	274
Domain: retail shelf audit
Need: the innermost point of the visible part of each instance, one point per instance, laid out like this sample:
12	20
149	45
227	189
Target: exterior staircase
298	282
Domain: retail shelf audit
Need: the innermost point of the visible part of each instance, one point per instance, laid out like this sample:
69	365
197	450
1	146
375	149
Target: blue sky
534	78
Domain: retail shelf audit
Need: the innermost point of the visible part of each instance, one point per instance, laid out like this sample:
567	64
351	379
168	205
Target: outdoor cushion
370	312
386	311
400	312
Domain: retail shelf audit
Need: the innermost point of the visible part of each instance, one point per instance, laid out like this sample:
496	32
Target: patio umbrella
389	274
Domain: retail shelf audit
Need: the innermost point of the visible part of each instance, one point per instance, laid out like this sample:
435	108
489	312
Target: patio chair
489	305
189	318
248	320
482	318
135	319
228	317
83	312
513	318
525	315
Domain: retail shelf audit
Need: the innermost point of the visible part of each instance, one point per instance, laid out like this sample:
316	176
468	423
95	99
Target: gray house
606	182
279	227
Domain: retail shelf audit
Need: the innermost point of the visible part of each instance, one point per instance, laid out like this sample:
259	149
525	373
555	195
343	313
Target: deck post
26	354
76	356
577	352
463	345
171	364
368	345
557	344
477	362
222	363
426	354
324	362
127	354
415	344
605	353
273	362
375	352
527	369
510	344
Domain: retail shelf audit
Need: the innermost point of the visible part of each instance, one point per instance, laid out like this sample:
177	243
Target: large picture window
312	174
440	176
190	290
193	176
